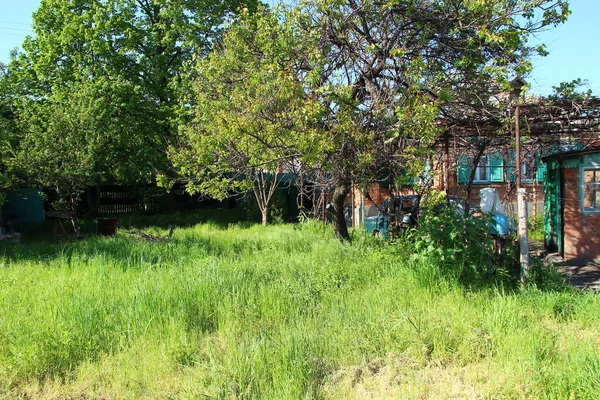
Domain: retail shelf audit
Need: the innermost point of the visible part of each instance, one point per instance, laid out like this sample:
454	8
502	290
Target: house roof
572	153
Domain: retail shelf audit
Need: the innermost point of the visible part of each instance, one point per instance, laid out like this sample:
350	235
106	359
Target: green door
553	225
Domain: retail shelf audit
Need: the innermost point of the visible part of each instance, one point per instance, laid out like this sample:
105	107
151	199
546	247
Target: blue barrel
377	224
499	225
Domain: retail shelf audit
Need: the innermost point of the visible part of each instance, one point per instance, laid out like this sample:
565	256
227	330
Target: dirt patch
402	378
582	274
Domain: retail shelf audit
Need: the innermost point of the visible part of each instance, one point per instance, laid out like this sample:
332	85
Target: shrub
461	247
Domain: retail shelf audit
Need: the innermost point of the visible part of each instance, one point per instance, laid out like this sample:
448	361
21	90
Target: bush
536	228
461	247
546	277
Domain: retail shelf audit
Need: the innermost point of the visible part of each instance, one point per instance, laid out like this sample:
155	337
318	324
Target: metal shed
24	206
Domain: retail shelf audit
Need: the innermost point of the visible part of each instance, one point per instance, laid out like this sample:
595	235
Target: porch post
521	205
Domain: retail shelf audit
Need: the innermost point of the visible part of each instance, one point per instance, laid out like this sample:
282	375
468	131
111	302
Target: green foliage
392	70
9	135
461	247
62	142
135	54
257	118
349	89
279	312
571	91
546	277
535	226
278	209
247	115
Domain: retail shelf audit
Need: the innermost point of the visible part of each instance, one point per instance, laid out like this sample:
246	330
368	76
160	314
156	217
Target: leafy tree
385	74
391	71
139	48
7	133
250	119
65	138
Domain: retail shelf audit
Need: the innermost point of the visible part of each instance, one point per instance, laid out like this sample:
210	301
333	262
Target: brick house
495	168
572	204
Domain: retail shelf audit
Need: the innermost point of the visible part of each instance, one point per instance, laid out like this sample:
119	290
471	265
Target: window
527	164
482	172
591	189
489	169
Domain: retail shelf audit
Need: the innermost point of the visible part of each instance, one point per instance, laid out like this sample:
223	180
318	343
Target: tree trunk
337	210
474	165
73	216
265	213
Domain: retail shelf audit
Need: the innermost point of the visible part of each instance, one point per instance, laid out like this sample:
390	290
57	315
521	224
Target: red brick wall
507	196
509	200
581	232
377	193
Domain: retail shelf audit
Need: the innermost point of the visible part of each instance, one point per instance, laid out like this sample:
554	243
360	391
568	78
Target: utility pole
521	204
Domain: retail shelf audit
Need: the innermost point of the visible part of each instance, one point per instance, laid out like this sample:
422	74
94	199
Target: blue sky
573	53
573	50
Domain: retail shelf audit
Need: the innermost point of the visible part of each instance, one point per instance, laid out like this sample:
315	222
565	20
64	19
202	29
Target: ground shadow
580	273
139	236
220	217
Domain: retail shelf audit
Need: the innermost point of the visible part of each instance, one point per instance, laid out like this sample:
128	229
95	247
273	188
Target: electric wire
14	34
15	29
15	23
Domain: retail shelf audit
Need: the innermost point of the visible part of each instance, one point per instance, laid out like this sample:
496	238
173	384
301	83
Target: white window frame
483	167
582	170
527	164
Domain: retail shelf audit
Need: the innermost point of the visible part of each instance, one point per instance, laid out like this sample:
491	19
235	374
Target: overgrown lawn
283	312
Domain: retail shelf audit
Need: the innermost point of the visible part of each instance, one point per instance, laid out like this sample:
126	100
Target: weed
225	310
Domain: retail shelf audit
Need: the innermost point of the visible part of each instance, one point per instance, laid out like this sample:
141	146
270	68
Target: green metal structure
25	206
554	191
553	220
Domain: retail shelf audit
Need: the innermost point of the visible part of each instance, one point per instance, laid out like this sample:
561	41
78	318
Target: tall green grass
282	312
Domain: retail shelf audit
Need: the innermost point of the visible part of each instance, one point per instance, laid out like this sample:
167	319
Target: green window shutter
540	175
496	164
511	169
463	169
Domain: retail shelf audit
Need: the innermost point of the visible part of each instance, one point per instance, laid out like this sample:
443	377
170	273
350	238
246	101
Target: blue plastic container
499	225
377	225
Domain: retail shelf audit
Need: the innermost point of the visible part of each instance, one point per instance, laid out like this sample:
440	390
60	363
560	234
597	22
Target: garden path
582	274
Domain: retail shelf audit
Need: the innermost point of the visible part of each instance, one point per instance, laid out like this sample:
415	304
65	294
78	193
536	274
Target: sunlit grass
288	312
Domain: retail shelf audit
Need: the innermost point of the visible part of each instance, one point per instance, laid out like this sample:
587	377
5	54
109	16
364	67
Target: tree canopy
384	74
92	97
395	69
137	48
250	118
349	88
